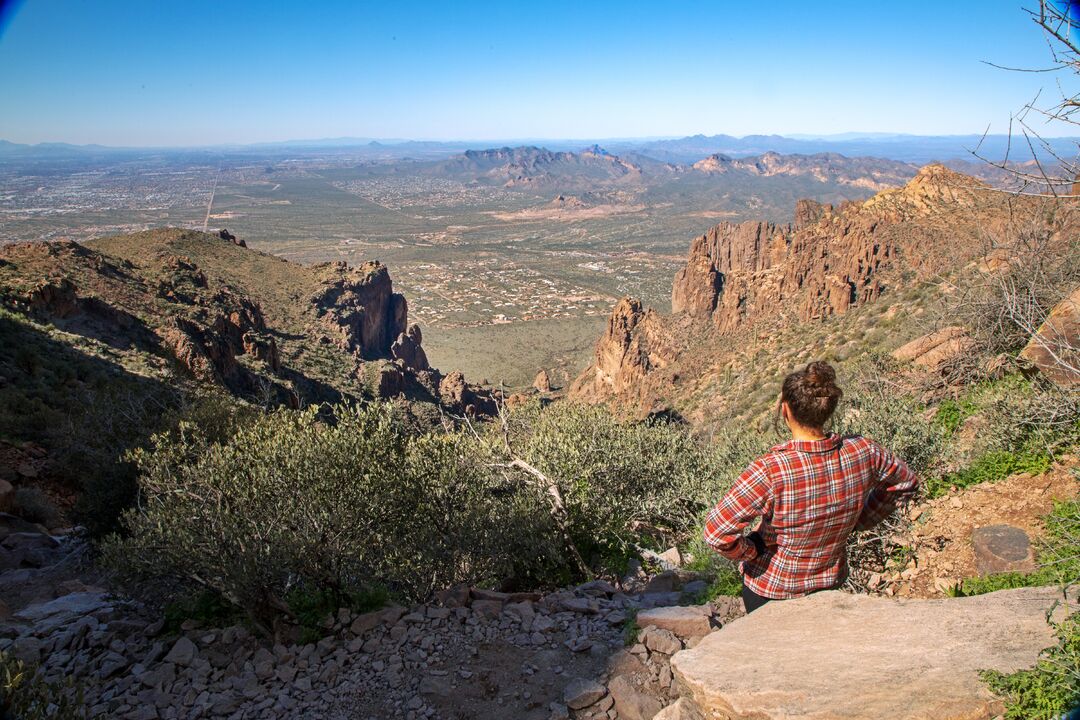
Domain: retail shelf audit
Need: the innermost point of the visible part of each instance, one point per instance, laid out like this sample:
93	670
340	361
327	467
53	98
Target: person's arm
896	484
748	498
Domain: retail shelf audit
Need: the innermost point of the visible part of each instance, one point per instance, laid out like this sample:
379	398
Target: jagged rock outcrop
744	282
459	395
360	308
262	347
206	354
637	341
53	298
407	349
834	655
822	265
808	212
224	234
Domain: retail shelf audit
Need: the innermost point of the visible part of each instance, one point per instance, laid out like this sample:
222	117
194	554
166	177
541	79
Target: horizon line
842	137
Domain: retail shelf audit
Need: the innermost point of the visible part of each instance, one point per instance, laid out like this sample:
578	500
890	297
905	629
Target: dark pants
751	600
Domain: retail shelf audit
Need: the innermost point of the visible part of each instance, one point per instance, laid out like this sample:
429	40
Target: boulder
183	652
407	349
934	350
1002	548
1054	350
836	656
665	582
580	693
661	640
542	383
684	621
631	703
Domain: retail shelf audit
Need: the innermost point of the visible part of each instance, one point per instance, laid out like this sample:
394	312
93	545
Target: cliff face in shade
359	306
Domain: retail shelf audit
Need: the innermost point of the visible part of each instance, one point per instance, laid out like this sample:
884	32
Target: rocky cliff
754	277
824	263
224	314
637	341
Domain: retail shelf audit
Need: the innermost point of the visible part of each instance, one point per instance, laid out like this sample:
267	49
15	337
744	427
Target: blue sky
188	73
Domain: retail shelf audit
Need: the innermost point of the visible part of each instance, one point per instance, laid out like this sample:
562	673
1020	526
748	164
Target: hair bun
821	379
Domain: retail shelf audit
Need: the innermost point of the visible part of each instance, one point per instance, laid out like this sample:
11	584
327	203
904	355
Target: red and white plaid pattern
810	495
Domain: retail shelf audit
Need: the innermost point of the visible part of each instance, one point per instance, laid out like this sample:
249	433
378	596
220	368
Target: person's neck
804	434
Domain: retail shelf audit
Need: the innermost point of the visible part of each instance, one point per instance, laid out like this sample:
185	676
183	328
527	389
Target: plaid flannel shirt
810	495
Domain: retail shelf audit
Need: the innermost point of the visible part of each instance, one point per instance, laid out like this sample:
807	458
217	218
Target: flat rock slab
837	656
685	621
1002	548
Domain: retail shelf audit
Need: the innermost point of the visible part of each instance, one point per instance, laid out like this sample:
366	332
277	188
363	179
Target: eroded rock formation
636	342
763	275
822	265
360	309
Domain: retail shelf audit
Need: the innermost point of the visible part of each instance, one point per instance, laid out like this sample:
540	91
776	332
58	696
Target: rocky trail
470	654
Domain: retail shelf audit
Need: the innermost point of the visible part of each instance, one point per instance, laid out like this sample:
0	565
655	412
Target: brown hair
812	394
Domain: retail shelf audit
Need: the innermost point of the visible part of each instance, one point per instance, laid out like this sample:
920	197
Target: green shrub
628	482
872	407
1052	687
206	607
331	505
25	695
991	467
294	502
32	504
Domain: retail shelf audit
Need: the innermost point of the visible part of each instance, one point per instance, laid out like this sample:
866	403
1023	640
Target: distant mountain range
918	149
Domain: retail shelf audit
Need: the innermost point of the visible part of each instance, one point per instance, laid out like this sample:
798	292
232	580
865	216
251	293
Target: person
810	492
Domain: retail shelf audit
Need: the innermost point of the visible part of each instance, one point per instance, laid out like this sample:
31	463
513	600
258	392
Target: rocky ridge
868	173
755	276
229	316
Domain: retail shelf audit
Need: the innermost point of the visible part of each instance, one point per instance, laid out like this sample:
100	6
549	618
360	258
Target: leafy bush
293	502
620	480
25	695
1052	687
300	510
